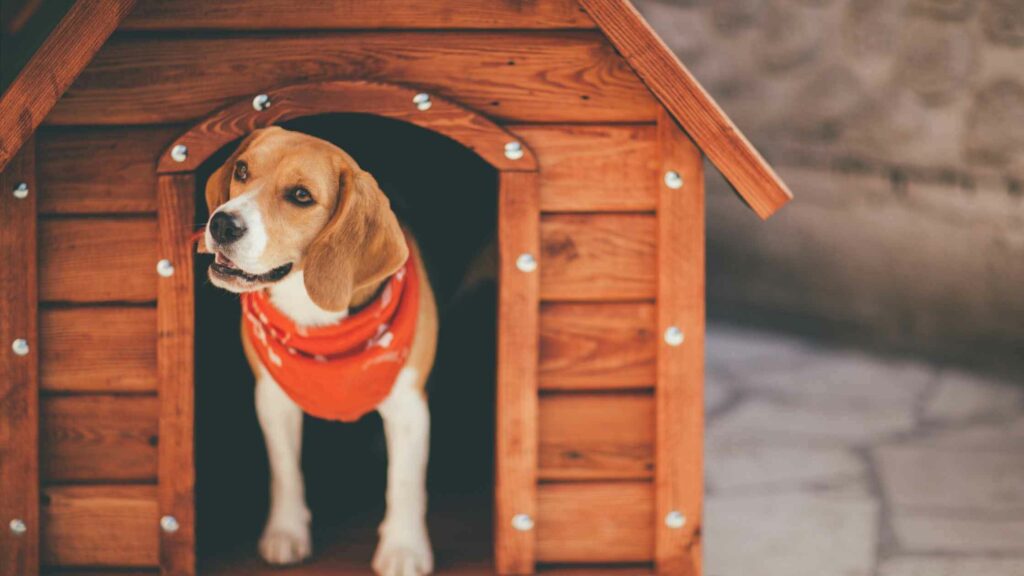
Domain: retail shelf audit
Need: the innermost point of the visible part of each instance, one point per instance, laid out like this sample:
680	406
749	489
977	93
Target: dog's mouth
224	267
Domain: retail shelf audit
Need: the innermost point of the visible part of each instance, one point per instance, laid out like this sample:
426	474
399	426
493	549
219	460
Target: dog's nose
226	228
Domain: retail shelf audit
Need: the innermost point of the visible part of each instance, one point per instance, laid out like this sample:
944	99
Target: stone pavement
833	462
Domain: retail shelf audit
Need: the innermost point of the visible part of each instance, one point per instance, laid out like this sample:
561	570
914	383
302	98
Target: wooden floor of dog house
461	534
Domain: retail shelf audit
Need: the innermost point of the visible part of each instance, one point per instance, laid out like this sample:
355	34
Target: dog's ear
361	244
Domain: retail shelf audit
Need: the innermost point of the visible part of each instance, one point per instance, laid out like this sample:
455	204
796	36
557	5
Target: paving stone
919	532
748	467
730	347
1007	435
918	566
847	377
962	396
717	389
805	422
950	481
790	535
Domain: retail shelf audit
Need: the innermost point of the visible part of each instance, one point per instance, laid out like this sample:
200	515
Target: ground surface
820	462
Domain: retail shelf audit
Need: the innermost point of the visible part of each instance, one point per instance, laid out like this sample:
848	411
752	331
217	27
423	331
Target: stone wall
899	124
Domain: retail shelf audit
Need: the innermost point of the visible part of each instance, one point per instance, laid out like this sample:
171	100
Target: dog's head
286	201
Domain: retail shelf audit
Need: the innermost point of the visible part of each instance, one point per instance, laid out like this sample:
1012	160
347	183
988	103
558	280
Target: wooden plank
518	331
100	526
594	168
680	387
596	436
97	260
19	394
597	346
465	126
597	257
107	349
690	105
39	85
355	14
99	438
100	170
526	77
176	372
594	522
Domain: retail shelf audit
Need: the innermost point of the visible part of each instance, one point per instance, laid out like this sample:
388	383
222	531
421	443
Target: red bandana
341	371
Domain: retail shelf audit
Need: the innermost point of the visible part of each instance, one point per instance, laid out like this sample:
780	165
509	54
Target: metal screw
422	101
261	102
165	268
674	336
169	524
526	262
20	347
673	180
522	522
675	520
179	153
18	527
514	150
21	190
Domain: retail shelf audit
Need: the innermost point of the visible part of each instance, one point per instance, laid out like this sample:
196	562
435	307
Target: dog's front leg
286	538
404	548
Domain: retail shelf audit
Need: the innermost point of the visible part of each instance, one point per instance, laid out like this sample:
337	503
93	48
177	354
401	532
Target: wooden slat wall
565	76
19	398
356	14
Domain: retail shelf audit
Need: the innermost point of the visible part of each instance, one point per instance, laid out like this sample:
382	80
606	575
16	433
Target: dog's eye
241	171
300	196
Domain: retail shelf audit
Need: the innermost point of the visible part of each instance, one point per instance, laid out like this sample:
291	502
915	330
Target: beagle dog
312	245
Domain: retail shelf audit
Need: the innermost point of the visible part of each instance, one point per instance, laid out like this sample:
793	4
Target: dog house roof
88	24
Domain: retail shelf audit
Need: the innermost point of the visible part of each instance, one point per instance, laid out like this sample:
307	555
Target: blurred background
899	125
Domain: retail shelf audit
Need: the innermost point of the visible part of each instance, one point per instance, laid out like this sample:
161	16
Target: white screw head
169	524
165	268
422	101
673	180
674	336
20	347
18	527
179	153
675	520
522	522
514	150
526	262
21	190
261	102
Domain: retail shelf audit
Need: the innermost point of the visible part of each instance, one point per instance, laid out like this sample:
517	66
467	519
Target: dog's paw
281	545
403	551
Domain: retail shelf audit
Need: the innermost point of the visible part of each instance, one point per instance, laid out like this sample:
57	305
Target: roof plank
52	69
690	105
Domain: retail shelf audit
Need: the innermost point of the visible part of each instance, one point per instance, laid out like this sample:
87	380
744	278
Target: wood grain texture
468	128
596	436
19	393
597	346
107	349
518	331
690	105
355	14
597	257
594	168
98	438
100	170
594	522
114	525
39	85
679	476
528	76
176	373
97	260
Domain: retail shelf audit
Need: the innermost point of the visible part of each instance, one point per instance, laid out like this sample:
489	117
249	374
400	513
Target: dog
311	243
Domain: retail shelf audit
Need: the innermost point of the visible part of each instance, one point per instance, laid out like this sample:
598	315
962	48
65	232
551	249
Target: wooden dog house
597	134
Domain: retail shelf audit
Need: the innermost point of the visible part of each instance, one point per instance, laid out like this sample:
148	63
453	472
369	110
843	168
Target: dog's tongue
224	261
